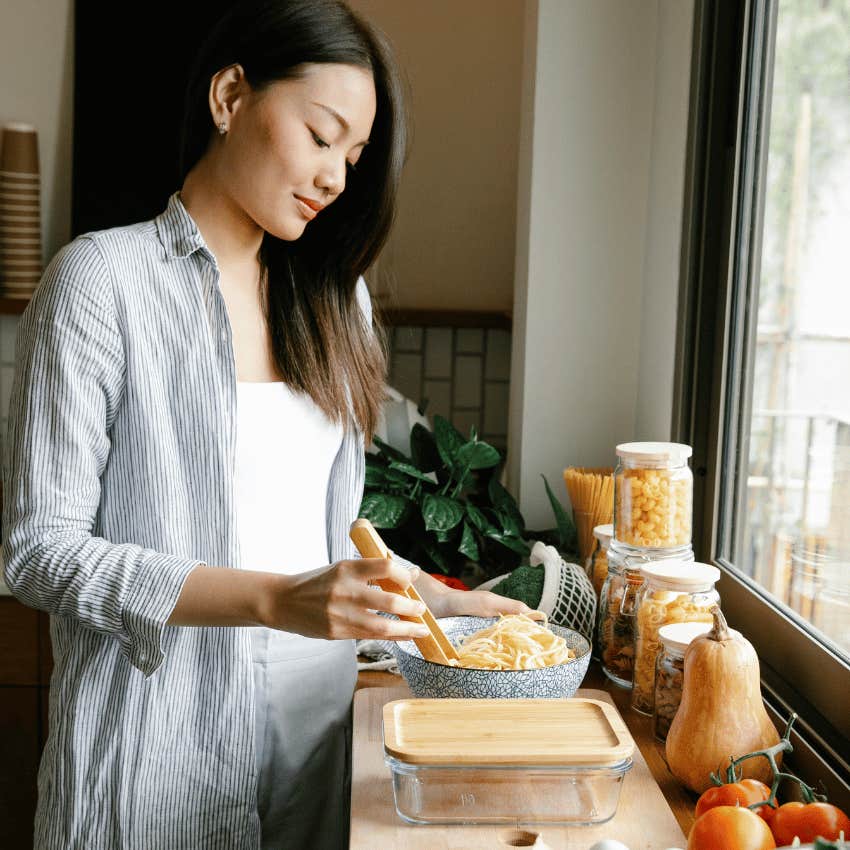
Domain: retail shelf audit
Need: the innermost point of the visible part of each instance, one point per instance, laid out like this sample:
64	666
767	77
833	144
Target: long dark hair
320	342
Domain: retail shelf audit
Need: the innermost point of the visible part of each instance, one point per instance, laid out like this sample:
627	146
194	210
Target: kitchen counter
680	800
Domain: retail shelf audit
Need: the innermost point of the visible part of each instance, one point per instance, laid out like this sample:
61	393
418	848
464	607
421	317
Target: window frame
726	160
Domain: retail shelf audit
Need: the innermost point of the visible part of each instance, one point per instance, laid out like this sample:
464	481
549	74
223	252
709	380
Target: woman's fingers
483	603
382	628
392	603
375	569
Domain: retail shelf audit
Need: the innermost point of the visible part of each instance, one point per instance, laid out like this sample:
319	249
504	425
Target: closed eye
319	141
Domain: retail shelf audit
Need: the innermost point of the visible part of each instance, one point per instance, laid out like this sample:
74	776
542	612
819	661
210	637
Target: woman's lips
304	207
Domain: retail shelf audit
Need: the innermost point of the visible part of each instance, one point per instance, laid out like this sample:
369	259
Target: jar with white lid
653	495
670	672
615	633
672	592
597	568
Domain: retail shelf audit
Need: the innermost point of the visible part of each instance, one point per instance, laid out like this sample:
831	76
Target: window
764	342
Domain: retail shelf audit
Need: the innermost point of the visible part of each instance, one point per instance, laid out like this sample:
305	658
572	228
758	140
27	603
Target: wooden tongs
436	647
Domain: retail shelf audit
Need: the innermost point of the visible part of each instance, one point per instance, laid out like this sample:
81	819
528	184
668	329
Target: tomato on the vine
449	581
742	793
730	828
808	821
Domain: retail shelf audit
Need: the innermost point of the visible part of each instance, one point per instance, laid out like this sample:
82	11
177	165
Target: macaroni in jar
653	495
673	592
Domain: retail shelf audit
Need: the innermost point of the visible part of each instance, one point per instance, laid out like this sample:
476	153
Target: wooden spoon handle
436	647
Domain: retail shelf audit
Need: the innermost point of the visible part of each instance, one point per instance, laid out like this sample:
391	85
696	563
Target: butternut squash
721	715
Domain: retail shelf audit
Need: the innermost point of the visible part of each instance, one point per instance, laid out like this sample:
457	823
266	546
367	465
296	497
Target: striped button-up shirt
118	479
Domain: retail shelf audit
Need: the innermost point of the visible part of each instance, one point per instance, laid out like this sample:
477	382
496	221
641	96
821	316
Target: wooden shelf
12	306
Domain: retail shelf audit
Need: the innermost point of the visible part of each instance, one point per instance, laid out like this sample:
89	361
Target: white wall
603	132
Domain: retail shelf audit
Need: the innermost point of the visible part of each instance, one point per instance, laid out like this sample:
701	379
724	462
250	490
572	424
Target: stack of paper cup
20	211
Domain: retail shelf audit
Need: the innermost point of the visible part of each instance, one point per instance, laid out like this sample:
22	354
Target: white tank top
285	448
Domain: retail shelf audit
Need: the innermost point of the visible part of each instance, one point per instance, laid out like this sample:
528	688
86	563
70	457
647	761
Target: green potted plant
444	508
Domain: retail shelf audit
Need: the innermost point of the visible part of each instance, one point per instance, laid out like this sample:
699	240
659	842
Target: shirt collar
178	231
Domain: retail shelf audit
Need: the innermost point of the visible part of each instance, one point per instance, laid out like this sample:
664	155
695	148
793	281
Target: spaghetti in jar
672	592
653	495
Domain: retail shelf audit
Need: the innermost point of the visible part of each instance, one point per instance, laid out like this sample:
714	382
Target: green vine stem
460	482
784	746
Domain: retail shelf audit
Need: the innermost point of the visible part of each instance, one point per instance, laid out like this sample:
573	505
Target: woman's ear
227	88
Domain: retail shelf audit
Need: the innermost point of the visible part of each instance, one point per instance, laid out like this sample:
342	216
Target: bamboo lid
526	732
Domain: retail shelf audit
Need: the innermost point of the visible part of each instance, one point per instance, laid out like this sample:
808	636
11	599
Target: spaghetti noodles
515	642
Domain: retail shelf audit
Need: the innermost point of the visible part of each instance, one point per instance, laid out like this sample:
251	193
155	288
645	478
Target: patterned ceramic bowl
427	679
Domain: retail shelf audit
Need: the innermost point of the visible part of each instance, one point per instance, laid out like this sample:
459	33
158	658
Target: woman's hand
333	602
447	602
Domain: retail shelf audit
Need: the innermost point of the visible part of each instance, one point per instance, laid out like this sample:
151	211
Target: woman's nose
332	178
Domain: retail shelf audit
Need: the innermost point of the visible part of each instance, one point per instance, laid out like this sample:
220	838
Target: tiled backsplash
462	374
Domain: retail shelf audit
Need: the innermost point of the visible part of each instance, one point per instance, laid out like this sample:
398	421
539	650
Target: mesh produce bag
568	597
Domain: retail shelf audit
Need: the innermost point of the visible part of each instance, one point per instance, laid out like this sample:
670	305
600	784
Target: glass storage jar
670	672
615	632
597	569
672	592
653	495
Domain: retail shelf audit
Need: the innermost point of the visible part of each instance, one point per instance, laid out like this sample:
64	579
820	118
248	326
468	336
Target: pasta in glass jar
615	632
672	592
653	495
670	672
598	567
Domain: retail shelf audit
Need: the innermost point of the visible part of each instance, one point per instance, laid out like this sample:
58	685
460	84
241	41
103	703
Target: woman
185	457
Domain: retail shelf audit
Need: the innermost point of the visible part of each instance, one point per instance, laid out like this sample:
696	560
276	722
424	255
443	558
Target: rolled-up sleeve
68	385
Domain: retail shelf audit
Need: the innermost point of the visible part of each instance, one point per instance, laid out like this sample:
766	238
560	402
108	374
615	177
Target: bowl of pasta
511	656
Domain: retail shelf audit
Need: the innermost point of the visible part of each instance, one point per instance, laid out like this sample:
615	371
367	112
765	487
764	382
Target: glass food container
615	634
597	568
672	592
511	761
670	672
653	495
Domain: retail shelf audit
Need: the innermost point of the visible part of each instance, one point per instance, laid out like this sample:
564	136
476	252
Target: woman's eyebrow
345	125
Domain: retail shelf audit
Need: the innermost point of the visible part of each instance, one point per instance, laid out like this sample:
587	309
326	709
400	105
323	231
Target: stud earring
222	128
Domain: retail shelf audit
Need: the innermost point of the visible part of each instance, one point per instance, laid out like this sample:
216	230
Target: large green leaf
566	529
385	510
449	440
412	471
509	524
440	512
478	455
468	545
389	452
515	544
386	479
478	519
423	447
504	502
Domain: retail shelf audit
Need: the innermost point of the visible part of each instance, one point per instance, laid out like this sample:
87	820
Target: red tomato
742	793
808	821
456	583
730	828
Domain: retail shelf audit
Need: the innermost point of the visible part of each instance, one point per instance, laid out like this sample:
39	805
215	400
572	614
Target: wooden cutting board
643	821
